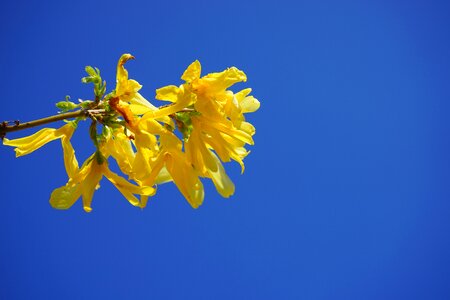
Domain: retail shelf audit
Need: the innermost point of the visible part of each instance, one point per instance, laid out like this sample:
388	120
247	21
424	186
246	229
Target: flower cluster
143	139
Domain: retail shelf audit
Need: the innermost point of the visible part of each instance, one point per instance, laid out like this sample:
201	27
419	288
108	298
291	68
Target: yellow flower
211	90
145	143
82	181
29	144
128	89
86	180
209	94
220	124
207	163
176	164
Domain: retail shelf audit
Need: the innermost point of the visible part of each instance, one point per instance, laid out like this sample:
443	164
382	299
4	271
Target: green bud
95	78
90	70
66	105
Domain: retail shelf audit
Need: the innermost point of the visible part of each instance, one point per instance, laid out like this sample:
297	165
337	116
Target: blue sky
345	194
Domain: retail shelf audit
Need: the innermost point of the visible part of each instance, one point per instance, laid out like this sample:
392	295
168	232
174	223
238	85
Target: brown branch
5	127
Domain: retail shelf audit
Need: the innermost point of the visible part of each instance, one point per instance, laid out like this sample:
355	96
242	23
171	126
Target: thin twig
5	127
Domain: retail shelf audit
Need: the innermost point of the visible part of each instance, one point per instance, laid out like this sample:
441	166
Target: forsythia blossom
142	138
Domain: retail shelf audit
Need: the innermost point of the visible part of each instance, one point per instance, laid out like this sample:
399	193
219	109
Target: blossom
207	163
128	89
145	143
218	125
85	180
171	160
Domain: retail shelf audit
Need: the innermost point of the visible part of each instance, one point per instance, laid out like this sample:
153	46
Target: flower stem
5	127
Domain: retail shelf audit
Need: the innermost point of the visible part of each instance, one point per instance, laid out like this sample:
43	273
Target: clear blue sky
346	191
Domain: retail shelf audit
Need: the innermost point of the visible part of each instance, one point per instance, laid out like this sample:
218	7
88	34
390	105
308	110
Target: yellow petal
215	82
126	188
139	105
122	73
197	151
163	176
119	147
183	101
192	72
169	140
65	196
168	93
126	88
185	178
157	166
146	150
232	132
248	128
124	58
209	107
90	184
249	104
144	200
27	145
218	143
227	147
221	181
141	167
70	160
242	94
238	155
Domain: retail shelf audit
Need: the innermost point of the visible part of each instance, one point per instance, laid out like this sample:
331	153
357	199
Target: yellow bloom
222	137
29	144
209	94
207	163
211	90
174	160
128	89
221	124
137	165
84	182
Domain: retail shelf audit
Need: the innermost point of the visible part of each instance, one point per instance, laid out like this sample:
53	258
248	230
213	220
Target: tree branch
5	127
